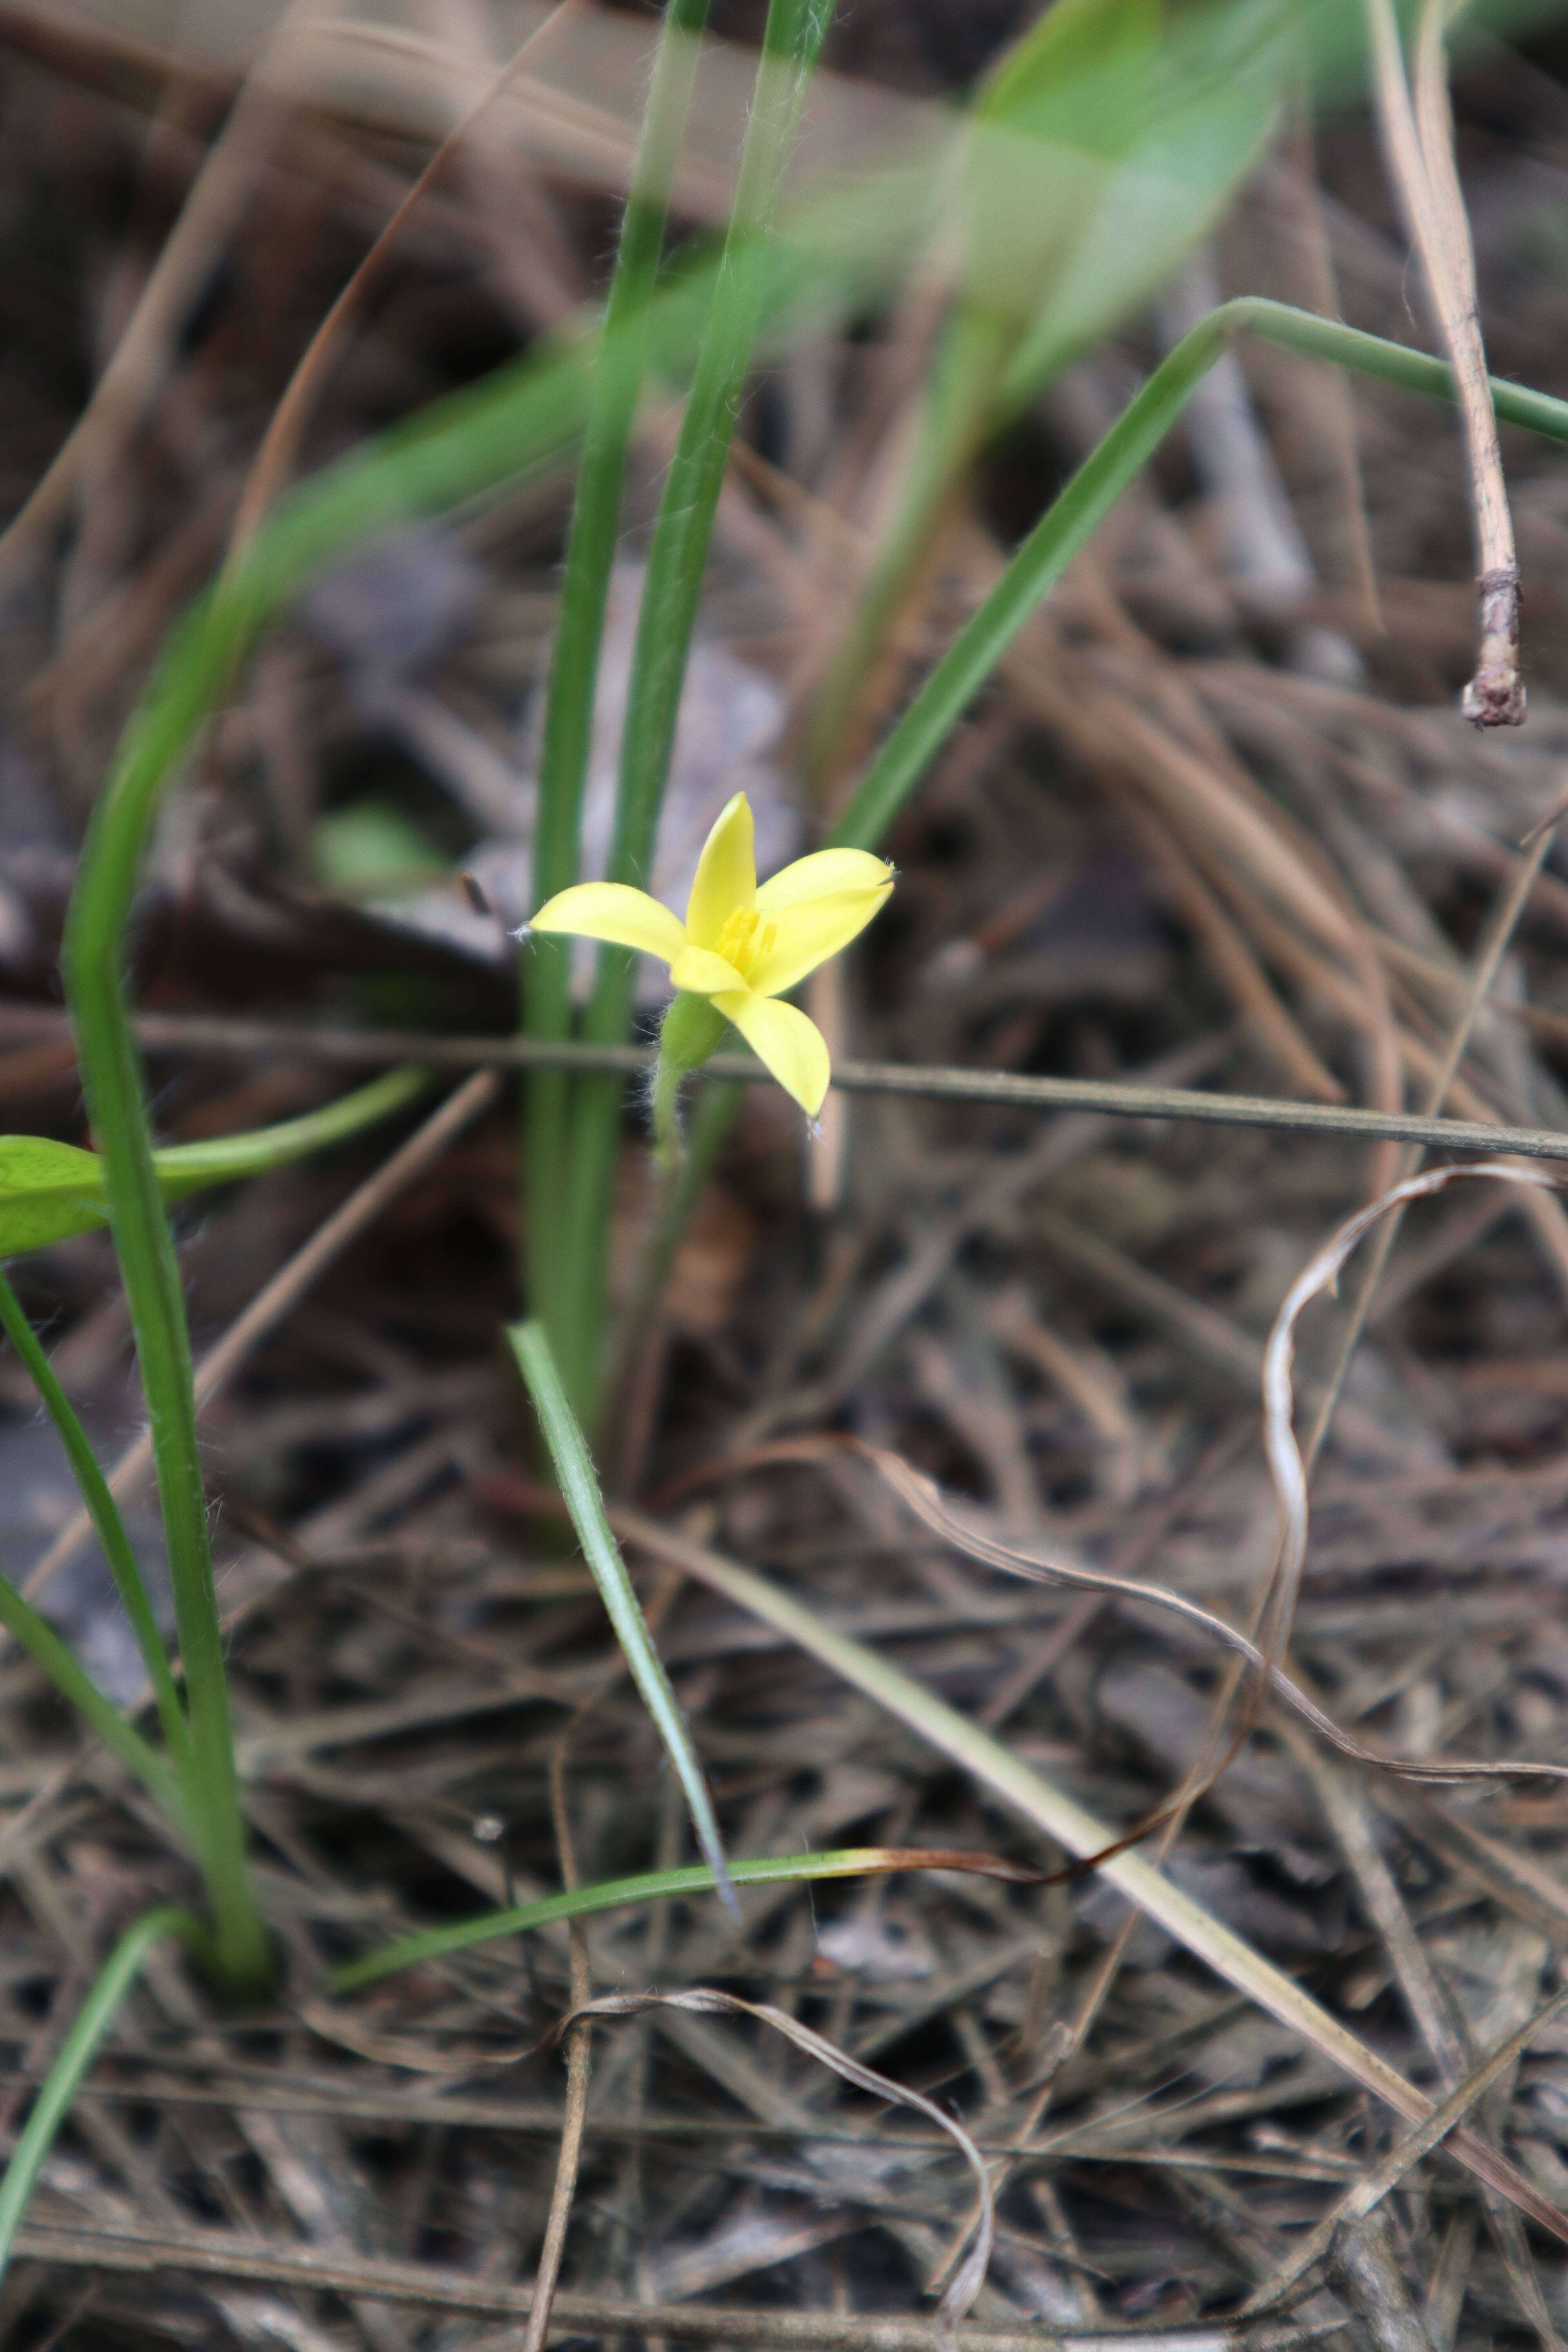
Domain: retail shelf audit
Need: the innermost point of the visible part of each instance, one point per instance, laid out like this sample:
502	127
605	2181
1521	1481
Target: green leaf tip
580	1489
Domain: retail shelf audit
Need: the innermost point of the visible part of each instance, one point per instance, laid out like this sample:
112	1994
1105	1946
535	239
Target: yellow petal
614	912
726	874
703	973
807	933
792	1048
824	875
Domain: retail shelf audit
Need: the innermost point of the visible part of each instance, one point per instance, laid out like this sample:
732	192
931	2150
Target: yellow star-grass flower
741	947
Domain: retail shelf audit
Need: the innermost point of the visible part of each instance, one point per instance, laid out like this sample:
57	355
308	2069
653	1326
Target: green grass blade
614	1895
618	371
678	558
108	1526
77	2052
580	1488
95	929
101	1715
1088	498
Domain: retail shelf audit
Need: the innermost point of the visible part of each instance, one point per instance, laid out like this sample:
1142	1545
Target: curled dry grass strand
923	1496
702	2000
1286	1463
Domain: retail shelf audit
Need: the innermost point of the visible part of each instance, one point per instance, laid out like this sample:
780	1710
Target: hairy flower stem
693	1028
681	1181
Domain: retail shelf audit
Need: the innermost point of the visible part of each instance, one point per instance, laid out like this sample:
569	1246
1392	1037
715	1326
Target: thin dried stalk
1505	920
1418	143
570	2157
210	2253
1374	2186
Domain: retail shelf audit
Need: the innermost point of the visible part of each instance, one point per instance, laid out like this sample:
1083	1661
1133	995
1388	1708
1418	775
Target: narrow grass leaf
1102	146
616	384
1061	110
1211	107
651	1886
92	961
76	2055
108	1526
47	1652
579	1488
678	558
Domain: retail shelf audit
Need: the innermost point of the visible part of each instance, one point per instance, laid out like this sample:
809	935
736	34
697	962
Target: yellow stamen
744	937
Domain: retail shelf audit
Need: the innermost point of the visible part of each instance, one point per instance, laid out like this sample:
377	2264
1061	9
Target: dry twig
1419	143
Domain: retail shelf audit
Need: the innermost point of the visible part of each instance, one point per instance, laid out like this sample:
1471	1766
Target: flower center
744	937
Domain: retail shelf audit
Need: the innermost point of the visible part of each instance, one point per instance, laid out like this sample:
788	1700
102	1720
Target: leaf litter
1056	1331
